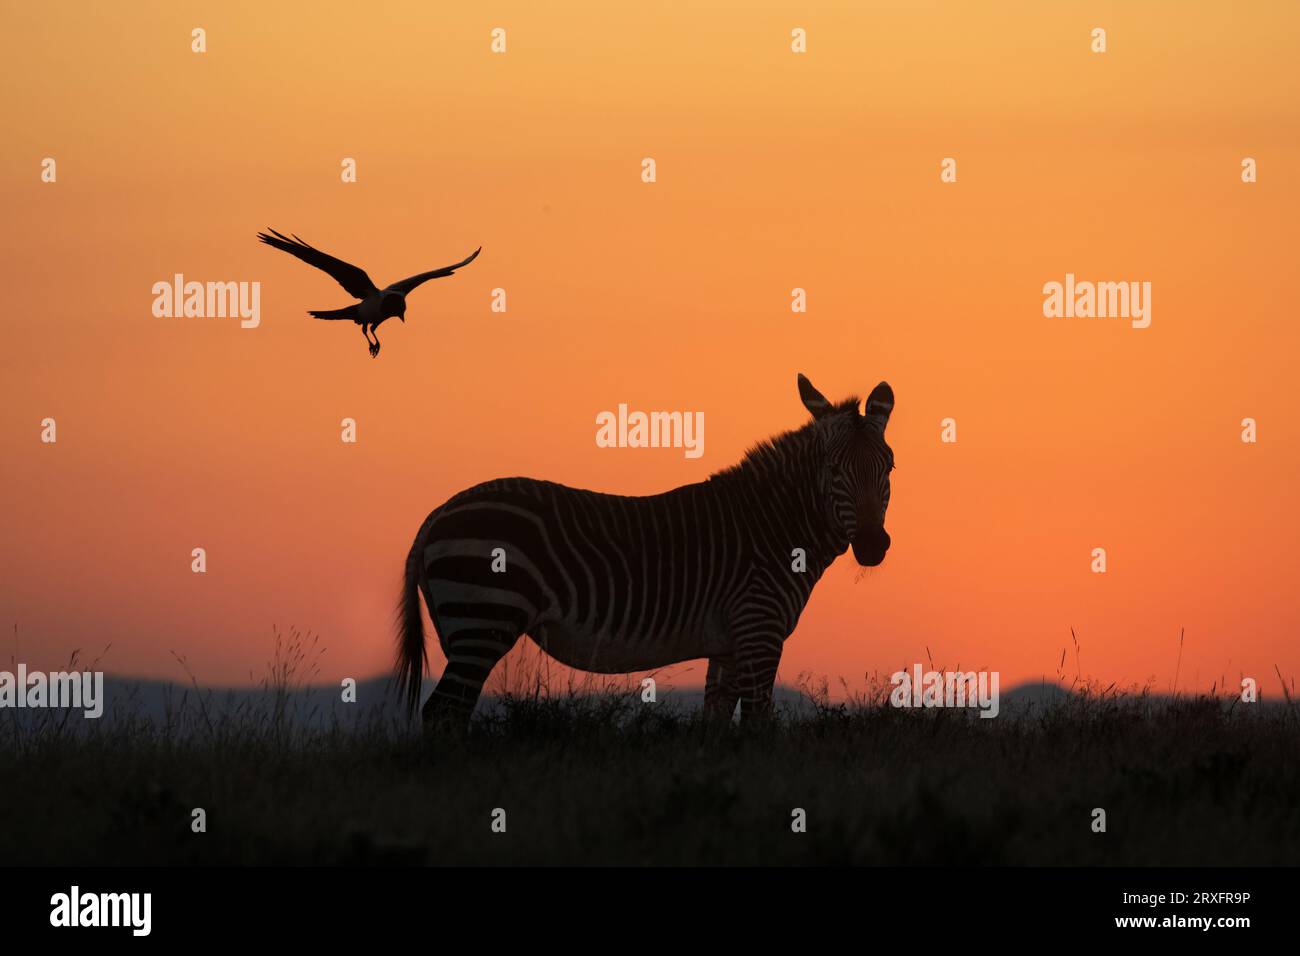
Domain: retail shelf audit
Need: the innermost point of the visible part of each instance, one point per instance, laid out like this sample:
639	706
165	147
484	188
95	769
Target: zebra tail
411	655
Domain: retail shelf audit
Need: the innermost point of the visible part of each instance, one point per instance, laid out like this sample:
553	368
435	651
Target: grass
590	774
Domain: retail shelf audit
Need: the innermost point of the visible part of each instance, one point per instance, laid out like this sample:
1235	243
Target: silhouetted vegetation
595	775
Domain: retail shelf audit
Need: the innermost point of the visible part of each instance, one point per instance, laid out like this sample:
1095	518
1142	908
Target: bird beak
403	318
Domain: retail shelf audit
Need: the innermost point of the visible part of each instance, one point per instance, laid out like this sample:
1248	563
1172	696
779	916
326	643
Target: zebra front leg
758	652
720	692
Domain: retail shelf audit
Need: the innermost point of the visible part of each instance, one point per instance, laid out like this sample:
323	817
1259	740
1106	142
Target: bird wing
406	285
352	278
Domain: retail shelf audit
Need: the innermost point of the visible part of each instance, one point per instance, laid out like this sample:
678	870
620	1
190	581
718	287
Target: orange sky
775	170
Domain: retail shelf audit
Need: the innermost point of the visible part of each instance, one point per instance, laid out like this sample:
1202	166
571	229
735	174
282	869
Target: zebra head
855	467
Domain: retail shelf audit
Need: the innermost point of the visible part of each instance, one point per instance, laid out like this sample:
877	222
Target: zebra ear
879	404
813	400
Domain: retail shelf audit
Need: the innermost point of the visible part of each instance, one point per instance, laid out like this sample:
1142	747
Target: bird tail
350	313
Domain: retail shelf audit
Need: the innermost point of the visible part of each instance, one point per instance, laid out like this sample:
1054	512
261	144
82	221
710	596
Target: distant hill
160	702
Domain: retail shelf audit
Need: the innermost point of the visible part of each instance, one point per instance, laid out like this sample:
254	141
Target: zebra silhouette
720	569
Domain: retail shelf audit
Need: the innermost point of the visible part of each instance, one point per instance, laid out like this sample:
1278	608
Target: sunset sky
775	170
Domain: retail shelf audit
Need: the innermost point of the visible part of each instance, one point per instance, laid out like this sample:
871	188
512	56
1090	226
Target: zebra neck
777	492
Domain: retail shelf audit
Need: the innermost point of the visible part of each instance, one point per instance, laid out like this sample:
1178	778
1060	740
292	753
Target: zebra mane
769	451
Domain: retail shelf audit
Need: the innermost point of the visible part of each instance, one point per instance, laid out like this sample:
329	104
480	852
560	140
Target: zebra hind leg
471	655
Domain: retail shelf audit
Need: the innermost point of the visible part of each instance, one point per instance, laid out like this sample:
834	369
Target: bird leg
372	345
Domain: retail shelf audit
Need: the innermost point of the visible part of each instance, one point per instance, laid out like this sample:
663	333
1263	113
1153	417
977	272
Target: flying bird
376	305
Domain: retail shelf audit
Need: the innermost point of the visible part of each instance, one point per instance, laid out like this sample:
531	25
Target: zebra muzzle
870	546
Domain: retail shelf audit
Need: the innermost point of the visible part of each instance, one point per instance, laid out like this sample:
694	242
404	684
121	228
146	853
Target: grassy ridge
603	778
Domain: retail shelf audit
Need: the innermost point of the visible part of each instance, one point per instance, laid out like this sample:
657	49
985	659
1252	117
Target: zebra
614	584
